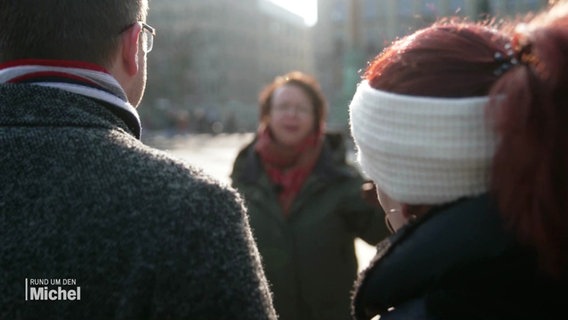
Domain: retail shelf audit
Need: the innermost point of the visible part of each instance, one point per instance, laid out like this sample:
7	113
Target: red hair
449	59
530	172
530	169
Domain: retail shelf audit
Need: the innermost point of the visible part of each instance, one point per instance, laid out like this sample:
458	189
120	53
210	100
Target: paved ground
215	155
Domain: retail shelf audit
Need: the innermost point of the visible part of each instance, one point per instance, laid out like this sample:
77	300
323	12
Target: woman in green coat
305	202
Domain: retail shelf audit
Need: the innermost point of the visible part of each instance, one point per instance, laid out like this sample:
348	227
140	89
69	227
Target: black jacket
458	262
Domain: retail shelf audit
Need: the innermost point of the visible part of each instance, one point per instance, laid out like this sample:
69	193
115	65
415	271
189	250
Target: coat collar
411	260
88	80
34	106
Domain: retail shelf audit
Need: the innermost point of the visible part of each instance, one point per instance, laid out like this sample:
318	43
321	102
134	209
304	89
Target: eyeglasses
300	110
148	34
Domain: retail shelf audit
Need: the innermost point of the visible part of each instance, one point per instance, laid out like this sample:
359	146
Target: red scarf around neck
288	167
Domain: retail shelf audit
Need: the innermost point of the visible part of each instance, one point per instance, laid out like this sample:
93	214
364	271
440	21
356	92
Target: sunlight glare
307	9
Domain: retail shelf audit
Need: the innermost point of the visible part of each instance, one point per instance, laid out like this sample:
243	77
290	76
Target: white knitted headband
422	150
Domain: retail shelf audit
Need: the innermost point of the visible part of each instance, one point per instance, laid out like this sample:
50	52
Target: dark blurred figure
304	201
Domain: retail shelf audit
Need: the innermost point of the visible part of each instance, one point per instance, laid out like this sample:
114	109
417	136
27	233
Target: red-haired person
305	202
463	129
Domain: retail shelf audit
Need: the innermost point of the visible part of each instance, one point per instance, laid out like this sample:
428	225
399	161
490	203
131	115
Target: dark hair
530	169
303	81
65	29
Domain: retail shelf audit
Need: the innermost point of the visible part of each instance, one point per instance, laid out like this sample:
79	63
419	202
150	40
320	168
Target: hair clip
506	62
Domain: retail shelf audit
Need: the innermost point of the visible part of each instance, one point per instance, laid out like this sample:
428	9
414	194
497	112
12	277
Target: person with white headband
462	128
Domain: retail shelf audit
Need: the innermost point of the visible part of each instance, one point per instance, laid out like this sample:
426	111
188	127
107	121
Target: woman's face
291	117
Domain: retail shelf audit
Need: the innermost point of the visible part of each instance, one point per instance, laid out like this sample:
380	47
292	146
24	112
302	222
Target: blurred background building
212	57
352	32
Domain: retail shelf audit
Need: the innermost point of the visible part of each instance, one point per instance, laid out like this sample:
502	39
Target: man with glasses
93	223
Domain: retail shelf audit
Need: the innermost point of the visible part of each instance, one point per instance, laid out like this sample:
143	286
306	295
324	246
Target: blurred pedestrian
305	202
93	223
462	127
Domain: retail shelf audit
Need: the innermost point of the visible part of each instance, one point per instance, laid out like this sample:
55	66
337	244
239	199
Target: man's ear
130	48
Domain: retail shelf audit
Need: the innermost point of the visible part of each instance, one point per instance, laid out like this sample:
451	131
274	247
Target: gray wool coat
142	234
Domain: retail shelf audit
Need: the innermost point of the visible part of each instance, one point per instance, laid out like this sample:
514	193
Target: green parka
309	256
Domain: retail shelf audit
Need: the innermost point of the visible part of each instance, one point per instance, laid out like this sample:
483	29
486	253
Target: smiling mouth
291	128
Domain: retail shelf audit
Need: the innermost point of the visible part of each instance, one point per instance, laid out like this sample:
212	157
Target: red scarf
288	167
